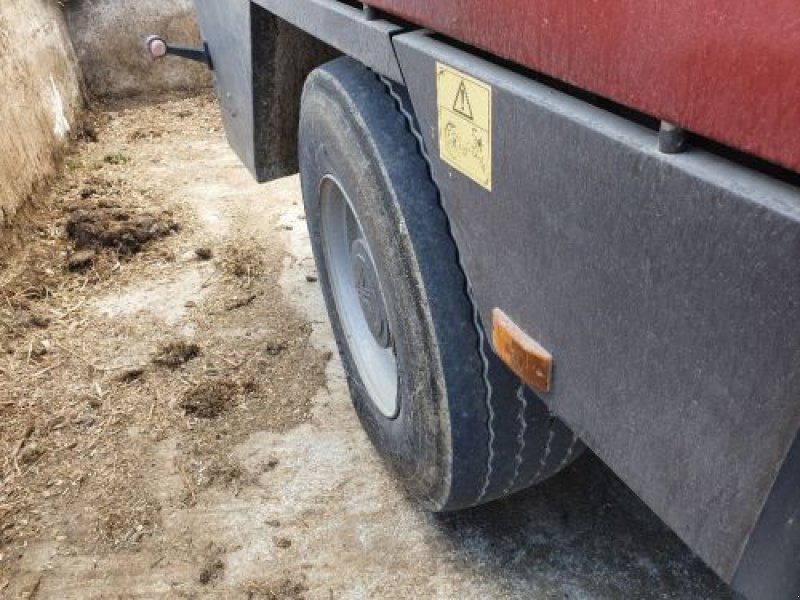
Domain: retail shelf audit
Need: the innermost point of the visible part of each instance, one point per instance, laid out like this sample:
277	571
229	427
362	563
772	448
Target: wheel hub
369	293
358	298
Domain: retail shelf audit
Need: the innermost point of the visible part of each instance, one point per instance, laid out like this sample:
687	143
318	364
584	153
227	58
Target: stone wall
52	51
41	96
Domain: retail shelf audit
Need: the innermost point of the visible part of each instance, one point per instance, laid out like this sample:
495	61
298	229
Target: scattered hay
17	320
283	589
116	158
29	280
243	259
81	260
127	523
94	474
144	134
240	302
131	375
225	472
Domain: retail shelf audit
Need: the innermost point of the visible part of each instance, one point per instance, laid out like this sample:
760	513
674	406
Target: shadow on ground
582	530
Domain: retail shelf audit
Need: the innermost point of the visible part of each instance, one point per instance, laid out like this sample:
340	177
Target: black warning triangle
462	105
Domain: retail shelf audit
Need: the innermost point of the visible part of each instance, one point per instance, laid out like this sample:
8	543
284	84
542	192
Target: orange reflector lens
523	355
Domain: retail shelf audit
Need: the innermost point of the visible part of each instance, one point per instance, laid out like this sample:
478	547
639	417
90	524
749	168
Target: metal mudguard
666	286
263	51
261	63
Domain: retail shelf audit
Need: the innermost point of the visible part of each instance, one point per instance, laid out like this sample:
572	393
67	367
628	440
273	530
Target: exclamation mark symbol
462	104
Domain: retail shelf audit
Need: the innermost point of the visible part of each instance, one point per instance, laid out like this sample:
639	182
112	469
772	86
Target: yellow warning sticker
465	124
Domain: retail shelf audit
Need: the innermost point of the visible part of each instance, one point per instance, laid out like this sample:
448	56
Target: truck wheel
457	427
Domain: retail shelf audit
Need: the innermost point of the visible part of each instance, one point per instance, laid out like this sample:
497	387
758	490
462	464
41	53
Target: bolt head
157	47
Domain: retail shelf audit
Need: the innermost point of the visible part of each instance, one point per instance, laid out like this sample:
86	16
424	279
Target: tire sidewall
413	441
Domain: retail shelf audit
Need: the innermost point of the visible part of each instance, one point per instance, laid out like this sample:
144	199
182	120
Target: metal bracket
370	13
671	138
158	48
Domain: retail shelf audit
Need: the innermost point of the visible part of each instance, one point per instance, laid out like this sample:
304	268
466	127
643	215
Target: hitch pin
157	47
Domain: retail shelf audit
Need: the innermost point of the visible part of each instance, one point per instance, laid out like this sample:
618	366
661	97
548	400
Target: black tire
466	431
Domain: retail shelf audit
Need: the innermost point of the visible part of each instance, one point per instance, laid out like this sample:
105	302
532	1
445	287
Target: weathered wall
41	96
109	40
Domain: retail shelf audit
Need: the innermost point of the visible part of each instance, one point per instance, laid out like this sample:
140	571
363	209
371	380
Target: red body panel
726	70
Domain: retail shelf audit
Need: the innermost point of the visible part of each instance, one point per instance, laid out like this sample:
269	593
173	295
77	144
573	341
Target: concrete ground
303	508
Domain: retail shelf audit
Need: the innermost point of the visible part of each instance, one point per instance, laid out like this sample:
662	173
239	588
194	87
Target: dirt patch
210	399
176	353
224	472
116	158
131	375
213	567
117	228
204	253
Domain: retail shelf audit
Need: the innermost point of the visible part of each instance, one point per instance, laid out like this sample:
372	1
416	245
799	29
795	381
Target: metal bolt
671	138
370	14
156	46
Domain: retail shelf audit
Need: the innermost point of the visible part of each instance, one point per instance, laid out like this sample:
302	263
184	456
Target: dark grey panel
283	56
263	53
345	28
225	26
770	567
666	287
261	63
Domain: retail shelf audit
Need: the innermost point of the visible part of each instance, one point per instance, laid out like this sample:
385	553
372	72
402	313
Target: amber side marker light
523	355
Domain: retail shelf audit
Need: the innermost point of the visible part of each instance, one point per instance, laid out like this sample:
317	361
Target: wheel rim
358	296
